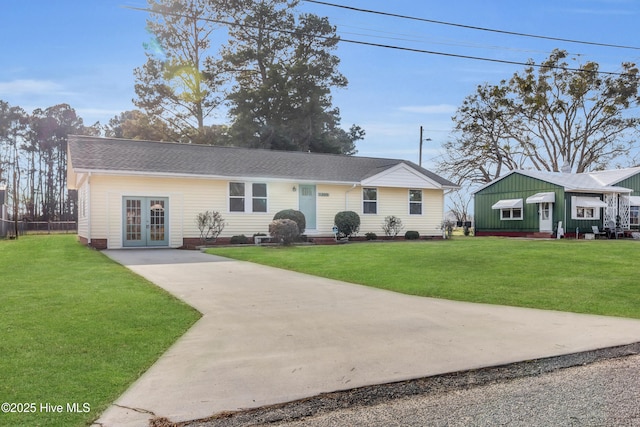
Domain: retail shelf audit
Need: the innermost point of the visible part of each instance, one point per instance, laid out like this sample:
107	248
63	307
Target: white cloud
430	109
29	87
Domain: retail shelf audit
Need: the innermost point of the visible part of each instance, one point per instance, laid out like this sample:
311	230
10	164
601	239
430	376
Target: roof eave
112	172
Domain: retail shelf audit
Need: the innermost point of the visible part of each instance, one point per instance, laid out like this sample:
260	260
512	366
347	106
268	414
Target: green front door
145	221
307	203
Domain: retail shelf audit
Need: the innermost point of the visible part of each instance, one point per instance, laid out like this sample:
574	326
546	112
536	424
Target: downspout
88	209
565	212
444	211
346	197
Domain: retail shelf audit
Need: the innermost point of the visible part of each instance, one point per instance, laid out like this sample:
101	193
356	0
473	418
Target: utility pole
421	139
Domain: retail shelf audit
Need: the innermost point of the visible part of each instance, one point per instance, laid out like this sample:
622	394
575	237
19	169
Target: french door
145	221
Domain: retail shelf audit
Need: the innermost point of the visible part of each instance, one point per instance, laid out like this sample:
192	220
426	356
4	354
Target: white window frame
248	197
584	212
507	214
255	198
634	215
373	202
414	203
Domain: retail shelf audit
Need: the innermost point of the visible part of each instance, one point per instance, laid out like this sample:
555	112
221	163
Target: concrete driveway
270	336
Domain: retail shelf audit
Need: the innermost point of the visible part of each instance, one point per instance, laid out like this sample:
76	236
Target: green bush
371	236
412	235
240	239
294	215
348	223
284	231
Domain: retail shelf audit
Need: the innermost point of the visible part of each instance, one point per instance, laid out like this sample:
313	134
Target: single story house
533	203
134	193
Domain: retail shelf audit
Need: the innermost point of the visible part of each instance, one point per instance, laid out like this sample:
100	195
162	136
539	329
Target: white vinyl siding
190	196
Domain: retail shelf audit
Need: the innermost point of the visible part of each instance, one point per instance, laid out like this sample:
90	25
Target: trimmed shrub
371	236
284	231
210	224
348	223
392	226
412	235
240	239
294	215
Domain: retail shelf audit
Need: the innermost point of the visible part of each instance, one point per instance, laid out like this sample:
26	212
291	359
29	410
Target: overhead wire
369	32
385	46
471	27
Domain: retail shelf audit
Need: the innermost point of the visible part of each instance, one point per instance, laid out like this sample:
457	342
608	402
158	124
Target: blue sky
83	53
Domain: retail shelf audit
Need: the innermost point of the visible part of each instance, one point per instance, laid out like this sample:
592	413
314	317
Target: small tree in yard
392	226
284	231
210	225
348	223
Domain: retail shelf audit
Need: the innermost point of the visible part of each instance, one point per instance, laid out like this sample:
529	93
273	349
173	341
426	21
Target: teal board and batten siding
582	225
514	186
633	183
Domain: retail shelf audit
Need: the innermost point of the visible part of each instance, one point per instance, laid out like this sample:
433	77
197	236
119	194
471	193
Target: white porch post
617	205
611	210
624	210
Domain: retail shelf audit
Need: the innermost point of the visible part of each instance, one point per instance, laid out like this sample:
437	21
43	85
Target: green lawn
597	277
75	327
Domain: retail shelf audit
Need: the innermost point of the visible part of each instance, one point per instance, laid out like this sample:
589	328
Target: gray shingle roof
135	156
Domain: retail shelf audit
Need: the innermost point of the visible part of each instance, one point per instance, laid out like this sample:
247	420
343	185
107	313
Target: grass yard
75	328
596	277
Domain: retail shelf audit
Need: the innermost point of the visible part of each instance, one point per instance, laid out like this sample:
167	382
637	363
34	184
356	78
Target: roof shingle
124	155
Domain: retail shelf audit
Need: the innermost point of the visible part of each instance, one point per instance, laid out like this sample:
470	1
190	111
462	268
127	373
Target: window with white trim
245	197
236	197
511	214
259	197
510	209
586	208
634	215
415	202
370	200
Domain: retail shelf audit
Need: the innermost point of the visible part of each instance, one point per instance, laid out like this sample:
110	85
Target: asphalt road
600	388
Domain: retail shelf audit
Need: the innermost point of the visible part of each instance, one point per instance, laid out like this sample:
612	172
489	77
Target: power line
379	45
471	27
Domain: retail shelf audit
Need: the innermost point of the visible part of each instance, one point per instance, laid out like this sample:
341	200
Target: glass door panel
157	235
145	221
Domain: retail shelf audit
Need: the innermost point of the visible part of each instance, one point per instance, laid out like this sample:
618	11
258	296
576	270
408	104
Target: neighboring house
522	203
143	193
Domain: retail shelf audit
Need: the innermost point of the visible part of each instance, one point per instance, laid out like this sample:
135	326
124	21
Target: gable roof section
614	176
124	156
401	175
577	182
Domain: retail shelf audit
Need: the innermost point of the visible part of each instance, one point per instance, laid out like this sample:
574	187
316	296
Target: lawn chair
597	232
614	231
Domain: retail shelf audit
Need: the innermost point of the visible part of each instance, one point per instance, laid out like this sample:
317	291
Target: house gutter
88	209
